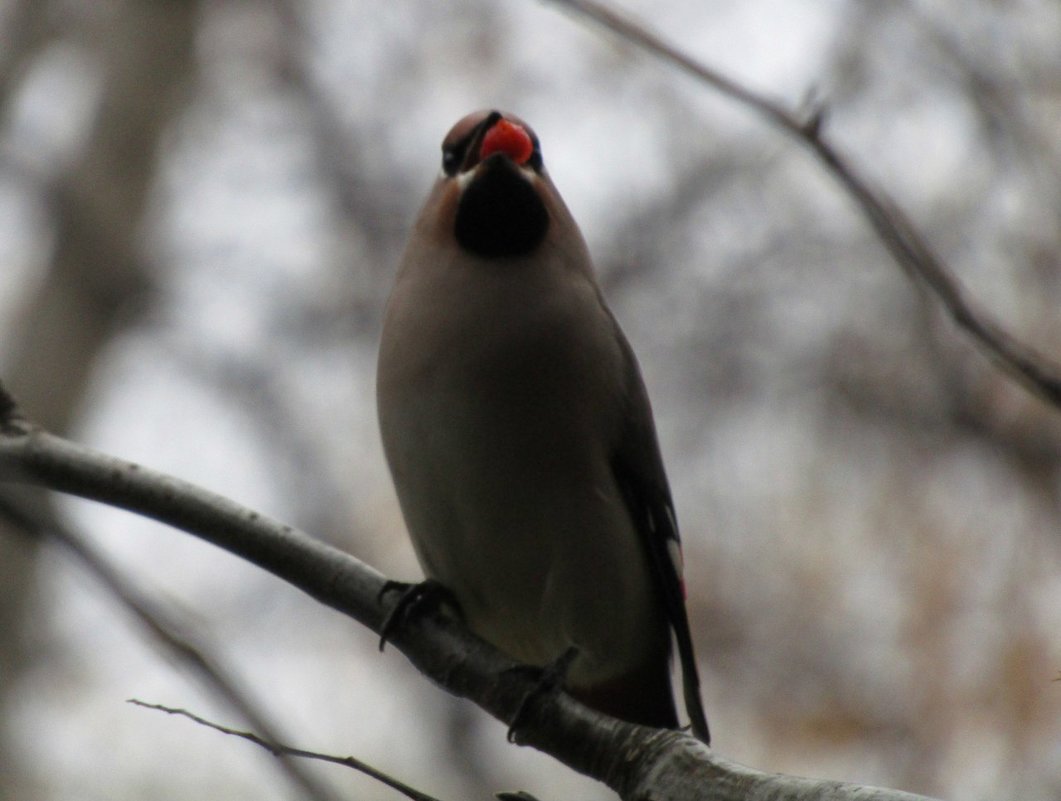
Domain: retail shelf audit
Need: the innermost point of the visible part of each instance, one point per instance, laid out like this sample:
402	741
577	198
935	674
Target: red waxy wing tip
508	138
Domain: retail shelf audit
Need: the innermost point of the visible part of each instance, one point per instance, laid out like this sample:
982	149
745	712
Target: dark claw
415	599
549	679
393	586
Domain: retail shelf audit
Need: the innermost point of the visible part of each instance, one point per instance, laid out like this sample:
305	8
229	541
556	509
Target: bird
520	438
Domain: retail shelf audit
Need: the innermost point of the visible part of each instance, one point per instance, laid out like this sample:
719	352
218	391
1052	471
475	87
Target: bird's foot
548	680
416	599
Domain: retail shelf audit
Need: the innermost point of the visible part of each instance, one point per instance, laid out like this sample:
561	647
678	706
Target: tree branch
278	749
174	638
633	760
899	235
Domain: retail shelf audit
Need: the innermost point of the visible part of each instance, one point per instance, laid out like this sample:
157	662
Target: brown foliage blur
212	206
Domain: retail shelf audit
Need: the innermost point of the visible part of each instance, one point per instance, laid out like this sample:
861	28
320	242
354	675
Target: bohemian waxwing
520	437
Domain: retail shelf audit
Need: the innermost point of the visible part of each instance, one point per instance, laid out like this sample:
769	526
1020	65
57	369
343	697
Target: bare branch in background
276	749
895	230
174	639
94	276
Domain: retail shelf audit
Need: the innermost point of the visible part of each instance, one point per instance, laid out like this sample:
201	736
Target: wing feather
638	467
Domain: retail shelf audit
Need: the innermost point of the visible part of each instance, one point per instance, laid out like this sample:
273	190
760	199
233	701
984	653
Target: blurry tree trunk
145	51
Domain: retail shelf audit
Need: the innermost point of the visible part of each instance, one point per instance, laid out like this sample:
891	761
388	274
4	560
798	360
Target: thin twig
277	749
899	235
633	760
41	523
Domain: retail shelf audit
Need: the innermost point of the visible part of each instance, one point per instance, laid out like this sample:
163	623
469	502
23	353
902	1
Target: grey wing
638	468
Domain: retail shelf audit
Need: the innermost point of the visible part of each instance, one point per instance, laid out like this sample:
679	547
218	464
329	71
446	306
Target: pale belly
496	421
525	525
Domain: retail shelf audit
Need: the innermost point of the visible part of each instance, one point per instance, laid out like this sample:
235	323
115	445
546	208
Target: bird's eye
450	161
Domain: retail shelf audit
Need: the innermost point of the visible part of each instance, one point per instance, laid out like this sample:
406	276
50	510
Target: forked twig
895	230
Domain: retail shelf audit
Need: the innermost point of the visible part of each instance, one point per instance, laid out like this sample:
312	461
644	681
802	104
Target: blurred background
201	209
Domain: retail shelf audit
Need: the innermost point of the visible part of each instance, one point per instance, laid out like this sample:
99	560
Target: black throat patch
500	214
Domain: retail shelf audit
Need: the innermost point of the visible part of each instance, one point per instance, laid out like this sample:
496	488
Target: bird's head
492	172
